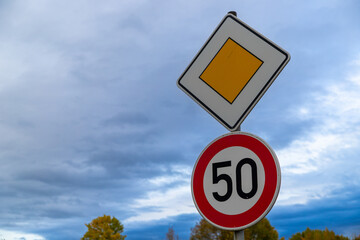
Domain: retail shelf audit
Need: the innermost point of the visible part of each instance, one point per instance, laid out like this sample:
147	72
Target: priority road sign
235	181
232	71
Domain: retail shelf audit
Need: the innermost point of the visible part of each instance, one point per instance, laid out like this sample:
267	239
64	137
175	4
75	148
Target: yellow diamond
230	70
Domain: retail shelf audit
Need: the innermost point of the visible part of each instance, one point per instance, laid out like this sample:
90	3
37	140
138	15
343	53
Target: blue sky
92	122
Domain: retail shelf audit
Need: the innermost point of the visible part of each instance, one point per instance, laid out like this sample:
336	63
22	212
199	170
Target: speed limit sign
235	181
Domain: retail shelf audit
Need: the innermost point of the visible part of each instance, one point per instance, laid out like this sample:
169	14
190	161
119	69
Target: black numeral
254	186
224	177
229	185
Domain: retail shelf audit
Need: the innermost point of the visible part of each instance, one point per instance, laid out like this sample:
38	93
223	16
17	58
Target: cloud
321	212
323	151
128	118
92	121
313	157
162	205
12	235
171	200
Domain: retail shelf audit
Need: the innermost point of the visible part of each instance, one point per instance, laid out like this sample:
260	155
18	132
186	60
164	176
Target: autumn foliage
104	228
262	230
309	234
110	228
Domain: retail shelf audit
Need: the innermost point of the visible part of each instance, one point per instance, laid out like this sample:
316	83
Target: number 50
217	178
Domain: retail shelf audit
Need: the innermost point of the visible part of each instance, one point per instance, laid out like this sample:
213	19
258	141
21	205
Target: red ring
261	206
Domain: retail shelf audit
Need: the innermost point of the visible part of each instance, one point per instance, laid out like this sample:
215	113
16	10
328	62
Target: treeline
320	235
260	231
110	228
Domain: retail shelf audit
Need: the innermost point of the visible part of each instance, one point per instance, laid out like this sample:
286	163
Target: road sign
235	181
232	71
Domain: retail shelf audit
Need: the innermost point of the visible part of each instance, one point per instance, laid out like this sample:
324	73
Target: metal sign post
239	235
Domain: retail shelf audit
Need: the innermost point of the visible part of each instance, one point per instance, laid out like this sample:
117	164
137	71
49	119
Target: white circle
235	204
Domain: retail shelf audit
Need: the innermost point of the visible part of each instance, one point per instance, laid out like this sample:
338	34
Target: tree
356	237
204	230
170	235
104	228
309	234
262	230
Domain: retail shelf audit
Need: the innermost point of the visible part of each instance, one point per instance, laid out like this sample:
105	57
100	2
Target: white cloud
167	202
301	193
180	173
322	148
12	235
163	204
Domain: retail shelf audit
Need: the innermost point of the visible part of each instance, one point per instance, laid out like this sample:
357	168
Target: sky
92	122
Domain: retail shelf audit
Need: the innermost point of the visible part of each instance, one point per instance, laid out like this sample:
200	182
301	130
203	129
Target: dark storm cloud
60	177
92	121
73	147
136	164
127	118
